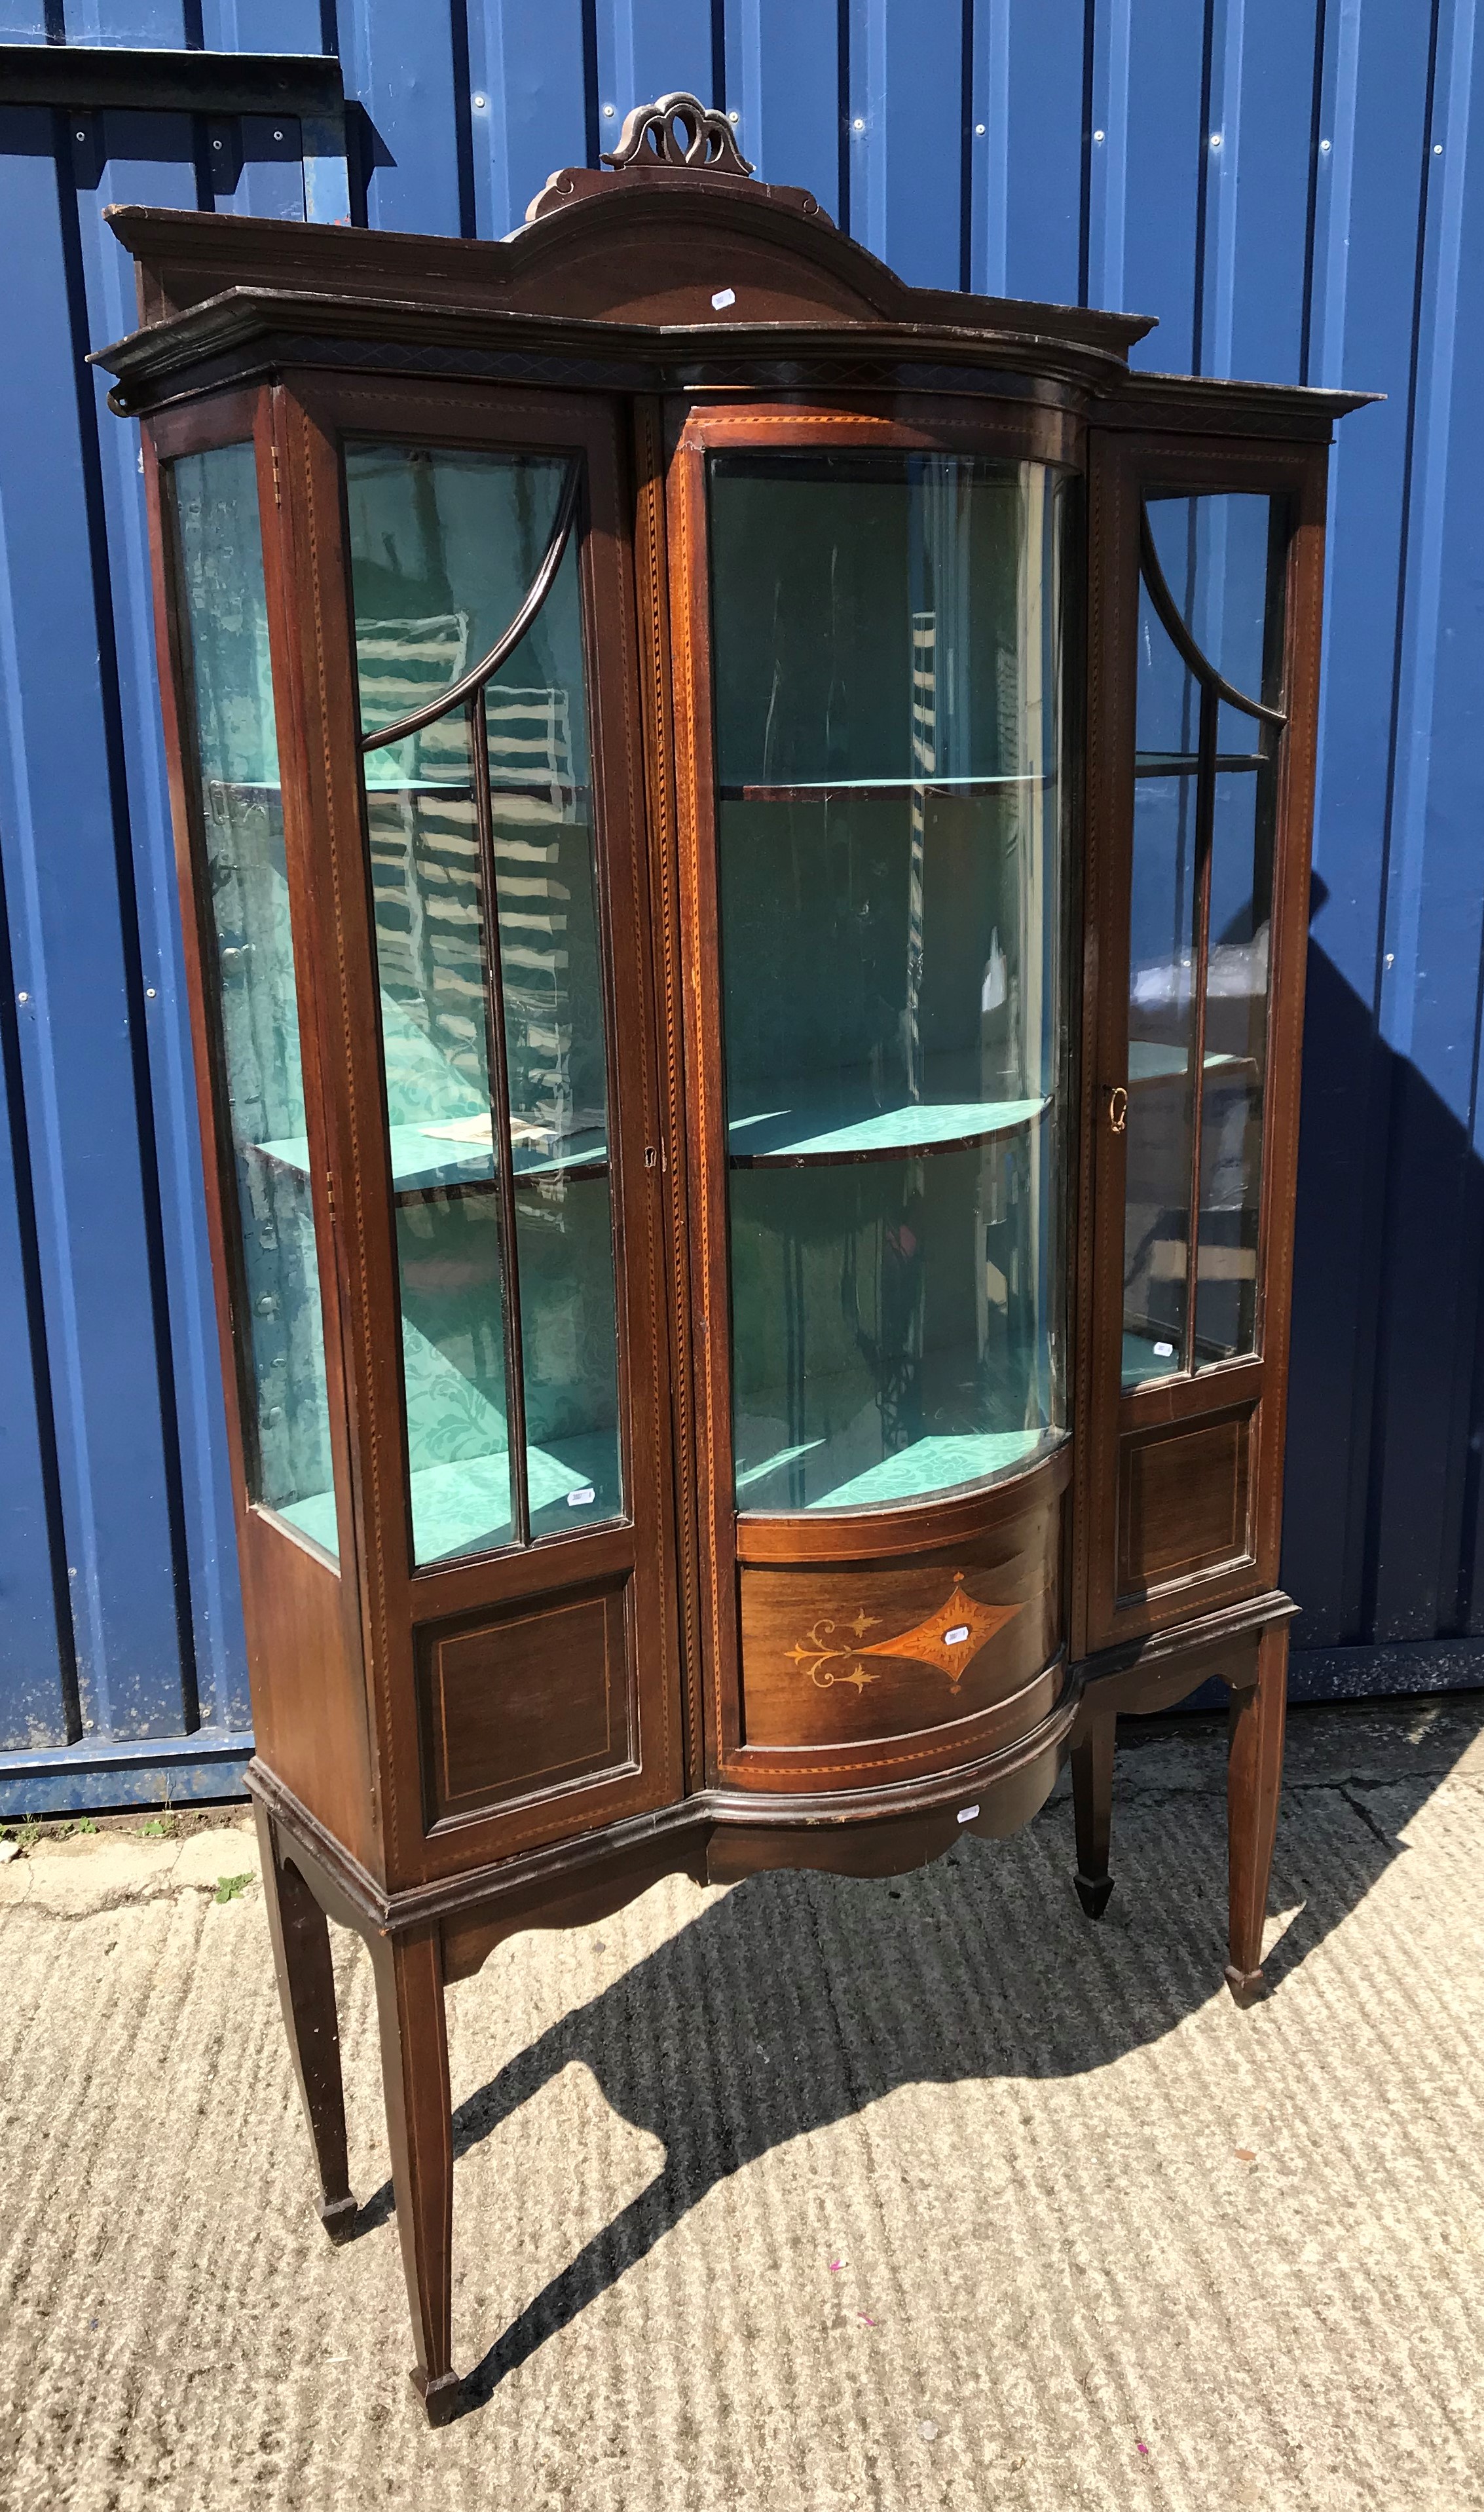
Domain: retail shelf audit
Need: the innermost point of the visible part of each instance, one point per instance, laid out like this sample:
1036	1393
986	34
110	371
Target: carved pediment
679	130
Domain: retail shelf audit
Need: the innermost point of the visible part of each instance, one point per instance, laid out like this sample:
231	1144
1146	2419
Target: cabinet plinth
744	859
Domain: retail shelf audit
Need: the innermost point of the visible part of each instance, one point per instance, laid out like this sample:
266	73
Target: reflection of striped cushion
405	662
530	738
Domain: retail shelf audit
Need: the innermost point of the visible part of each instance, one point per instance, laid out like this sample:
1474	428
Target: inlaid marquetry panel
833	1653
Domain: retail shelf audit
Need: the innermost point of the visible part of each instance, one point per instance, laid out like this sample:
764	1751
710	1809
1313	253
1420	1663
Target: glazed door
1202	683
484	937
868	639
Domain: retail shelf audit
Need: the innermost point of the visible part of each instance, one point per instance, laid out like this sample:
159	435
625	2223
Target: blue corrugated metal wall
1293	186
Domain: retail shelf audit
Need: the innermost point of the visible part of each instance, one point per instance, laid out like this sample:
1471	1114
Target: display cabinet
743	835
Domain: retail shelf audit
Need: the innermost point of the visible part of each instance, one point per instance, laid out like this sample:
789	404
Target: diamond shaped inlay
946	1641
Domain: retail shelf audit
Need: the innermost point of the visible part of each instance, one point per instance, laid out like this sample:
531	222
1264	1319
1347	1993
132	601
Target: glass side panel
491	999
1235	1068
444	546
1162	1011
1213	554
249	949
887	634
1200	904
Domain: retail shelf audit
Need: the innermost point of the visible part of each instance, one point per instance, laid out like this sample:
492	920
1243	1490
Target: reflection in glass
886	636
230	703
1235	1059
1161	1015
1200	908
481	835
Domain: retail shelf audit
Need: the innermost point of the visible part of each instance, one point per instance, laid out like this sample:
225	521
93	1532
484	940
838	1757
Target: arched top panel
652	245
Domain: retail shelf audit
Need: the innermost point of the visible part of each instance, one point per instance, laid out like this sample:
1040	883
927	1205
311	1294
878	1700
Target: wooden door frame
314	414
1122	464
301	1604
694	428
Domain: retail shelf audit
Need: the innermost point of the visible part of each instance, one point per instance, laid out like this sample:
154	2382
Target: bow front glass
887	642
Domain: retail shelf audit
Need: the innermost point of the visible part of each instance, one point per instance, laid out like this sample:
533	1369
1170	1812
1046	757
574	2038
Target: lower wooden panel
1184	1502
840	1653
310	1705
516	1703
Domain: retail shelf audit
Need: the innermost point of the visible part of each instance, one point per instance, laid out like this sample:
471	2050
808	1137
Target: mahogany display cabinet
743	835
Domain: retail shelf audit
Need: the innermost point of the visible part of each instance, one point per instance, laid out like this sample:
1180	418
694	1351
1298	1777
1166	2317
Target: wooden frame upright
644	319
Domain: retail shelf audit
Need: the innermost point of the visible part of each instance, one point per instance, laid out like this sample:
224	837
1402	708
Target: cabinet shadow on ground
796	2000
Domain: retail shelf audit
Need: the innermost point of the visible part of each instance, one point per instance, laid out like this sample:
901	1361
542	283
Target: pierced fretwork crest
679	130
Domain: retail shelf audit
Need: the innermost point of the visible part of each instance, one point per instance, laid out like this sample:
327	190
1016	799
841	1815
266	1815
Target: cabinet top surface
651	276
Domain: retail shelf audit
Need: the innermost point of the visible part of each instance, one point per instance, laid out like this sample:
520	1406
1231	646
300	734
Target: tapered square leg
1254	1780
306	1989
1092	1766
415	2065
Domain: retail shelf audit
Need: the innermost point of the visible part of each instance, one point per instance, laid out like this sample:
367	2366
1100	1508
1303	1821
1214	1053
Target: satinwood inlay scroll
948	1641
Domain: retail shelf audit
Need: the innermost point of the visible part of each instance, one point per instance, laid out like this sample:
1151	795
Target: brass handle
1118	1109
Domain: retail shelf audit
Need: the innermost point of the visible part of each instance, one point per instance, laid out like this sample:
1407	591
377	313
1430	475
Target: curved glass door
886	640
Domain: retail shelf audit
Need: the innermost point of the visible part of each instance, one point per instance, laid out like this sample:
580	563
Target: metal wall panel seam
1108	166
1383	78
906	113
216	1638
1426	1552
1339	96
868	120
529	107
1270	189
1336	1303
648	48
59	1307
1042	141
1223	142
262	26
1326	279
490	134
1431	446
1321	163
1398	1595
782	80
38	1666
127	1273
398	63
989	186
1163	149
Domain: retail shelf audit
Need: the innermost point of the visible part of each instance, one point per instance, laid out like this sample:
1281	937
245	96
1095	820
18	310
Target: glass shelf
463	1506
1148	1355
1150	1062
870	786
561	796
1185	762
939	1464
820	1128
424	1159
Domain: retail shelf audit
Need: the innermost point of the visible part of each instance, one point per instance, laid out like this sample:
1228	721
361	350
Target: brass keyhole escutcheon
1118	1109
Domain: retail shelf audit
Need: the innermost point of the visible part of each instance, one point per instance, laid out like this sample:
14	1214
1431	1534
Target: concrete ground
808	2194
